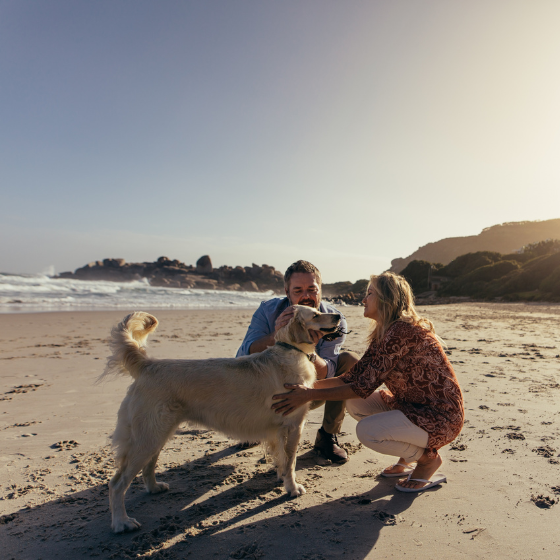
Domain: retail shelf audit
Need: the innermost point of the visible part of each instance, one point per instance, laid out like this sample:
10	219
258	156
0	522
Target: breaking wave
39	292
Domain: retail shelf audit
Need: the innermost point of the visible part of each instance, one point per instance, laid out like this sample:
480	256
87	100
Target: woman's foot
425	469
401	467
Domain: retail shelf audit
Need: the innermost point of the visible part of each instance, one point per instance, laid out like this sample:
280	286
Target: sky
344	133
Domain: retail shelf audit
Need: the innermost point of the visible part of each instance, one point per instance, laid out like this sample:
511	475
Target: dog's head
304	319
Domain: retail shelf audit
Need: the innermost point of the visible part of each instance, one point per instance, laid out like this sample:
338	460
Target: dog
230	395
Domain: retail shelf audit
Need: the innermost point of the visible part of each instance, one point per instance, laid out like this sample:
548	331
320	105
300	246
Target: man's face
304	289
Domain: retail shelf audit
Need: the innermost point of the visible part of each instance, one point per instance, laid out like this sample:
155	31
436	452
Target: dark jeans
335	410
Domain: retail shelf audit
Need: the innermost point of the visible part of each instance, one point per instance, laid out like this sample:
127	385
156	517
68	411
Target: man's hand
284	318
268	340
297	397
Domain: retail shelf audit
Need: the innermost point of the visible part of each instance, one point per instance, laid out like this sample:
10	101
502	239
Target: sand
501	499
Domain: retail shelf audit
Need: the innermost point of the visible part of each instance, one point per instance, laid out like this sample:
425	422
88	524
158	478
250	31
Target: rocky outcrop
175	274
504	238
204	265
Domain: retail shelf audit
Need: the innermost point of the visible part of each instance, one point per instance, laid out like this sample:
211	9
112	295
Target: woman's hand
298	396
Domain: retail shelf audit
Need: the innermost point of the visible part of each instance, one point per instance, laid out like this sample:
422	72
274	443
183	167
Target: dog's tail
128	339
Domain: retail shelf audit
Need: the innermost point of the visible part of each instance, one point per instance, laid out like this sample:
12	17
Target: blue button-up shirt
262	324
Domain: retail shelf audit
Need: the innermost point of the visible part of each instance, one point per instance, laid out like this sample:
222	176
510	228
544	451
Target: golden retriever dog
230	395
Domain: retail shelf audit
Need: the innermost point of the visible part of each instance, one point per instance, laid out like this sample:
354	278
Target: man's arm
257	330
262	343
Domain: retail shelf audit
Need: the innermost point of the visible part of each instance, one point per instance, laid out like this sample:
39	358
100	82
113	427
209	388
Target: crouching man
302	282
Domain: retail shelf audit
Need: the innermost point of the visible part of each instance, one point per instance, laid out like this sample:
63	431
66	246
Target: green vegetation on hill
503	238
533	274
356	289
419	274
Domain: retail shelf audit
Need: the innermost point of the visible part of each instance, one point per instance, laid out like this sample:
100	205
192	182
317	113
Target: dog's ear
297	330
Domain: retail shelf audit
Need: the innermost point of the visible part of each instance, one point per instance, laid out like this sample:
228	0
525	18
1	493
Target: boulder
205	284
159	282
114	262
250	286
256	270
204	265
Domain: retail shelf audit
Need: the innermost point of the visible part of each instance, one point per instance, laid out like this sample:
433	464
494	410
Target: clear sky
346	133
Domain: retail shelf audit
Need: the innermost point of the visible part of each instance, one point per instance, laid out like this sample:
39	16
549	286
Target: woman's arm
381	359
331	389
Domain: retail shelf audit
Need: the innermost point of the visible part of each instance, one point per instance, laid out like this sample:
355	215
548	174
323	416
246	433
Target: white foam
27	293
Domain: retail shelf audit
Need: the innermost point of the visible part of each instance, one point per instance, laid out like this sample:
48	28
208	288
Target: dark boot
327	445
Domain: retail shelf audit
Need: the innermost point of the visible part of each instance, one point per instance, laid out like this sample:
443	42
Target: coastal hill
504	238
530	275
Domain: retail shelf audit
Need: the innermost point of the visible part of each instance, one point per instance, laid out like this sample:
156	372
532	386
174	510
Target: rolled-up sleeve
258	328
329	351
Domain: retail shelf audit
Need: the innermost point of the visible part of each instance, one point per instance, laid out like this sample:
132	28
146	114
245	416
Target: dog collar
311	357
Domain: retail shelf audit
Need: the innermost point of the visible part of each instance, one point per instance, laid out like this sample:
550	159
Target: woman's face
370	304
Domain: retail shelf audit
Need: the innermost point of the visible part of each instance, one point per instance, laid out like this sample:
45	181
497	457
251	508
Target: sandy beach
501	499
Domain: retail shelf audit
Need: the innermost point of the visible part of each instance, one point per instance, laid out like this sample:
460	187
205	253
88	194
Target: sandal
407	470
437	478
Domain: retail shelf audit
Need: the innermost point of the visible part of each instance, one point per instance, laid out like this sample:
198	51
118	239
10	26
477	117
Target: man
302	283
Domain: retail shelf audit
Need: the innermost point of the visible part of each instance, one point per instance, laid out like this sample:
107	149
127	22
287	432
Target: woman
421	411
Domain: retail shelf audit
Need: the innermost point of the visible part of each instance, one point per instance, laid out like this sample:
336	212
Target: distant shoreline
124	311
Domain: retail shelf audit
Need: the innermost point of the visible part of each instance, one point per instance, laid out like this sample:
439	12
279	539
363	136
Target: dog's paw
125	525
297	490
159	487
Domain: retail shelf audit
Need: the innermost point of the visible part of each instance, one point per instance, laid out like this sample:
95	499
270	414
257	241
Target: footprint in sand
515	435
24	388
65	445
545	451
542	501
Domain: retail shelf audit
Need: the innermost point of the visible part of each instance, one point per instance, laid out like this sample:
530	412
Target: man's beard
309	302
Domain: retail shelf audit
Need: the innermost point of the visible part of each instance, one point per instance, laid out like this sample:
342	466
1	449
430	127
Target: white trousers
386	430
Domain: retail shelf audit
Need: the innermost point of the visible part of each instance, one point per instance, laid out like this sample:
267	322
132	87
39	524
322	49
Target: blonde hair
395	302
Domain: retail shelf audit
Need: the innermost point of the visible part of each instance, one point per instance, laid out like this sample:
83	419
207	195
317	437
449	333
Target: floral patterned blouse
420	381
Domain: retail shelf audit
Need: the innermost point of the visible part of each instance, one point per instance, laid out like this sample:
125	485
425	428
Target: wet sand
501	499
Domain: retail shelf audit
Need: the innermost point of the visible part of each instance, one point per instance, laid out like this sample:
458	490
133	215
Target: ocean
26	293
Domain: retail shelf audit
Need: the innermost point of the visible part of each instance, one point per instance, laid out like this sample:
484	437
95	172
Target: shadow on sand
218	525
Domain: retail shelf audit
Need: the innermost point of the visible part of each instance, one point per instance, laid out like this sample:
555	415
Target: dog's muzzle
334	333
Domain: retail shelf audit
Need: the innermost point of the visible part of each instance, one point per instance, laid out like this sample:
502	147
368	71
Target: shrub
360	286
337	288
467	263
542	248
527	278
551	284
417	274
518	257
491	271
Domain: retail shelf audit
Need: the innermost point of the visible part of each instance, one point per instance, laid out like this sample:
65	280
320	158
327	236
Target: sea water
28	293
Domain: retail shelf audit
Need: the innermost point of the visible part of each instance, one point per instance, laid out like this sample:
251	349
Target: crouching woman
422	408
